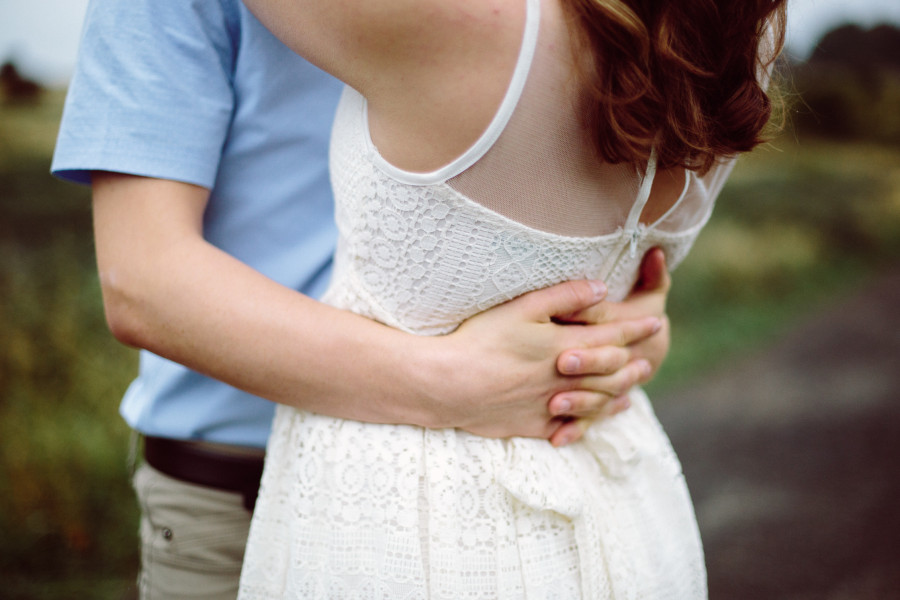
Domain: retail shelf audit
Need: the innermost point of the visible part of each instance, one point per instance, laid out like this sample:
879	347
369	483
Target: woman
483	150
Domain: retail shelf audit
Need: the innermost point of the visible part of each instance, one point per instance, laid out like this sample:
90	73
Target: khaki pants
192	538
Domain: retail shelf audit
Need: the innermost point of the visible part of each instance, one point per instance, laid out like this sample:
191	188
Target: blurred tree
850	87
16	88
857	47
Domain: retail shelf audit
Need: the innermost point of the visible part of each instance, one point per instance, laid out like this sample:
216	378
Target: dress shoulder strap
643	193
631	224
497	124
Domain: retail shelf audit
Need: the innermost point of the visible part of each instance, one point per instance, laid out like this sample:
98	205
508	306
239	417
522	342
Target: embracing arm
167	290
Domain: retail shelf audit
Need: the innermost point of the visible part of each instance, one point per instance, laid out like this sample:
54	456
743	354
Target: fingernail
563	406
564	440
571	364
657	325
599	289
645	368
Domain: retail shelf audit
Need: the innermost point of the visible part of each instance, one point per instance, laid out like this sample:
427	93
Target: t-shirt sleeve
152	92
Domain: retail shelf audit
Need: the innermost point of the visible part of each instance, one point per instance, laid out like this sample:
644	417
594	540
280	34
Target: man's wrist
422	373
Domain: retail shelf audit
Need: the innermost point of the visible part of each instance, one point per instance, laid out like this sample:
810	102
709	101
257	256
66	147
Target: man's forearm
200	307
169	291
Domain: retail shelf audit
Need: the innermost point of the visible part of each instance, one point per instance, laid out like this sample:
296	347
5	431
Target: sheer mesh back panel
543	173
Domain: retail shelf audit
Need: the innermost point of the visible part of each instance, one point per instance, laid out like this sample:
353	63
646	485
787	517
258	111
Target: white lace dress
356	510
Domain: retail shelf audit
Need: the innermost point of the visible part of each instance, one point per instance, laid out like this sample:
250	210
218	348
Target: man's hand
500	363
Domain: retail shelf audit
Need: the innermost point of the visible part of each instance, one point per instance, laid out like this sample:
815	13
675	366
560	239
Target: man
205	142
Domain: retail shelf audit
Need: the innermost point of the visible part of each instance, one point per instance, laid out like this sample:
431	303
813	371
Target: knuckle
577	403
624	380
593	408
615	359
637	375
585	403
633	331
606	362
600	313
578	292
622	358
588	404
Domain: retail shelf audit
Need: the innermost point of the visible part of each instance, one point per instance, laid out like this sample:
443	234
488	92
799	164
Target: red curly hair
682	76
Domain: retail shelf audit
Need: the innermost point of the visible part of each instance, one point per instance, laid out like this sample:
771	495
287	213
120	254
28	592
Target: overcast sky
41	36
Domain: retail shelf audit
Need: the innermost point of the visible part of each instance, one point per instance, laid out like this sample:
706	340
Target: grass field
65	503
798	225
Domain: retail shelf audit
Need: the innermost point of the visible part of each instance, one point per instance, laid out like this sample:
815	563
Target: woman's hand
638	362
500	368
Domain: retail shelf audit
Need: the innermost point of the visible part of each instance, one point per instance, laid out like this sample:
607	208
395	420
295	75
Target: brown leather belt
210	465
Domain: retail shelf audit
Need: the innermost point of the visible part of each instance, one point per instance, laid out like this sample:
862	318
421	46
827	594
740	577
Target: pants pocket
192	538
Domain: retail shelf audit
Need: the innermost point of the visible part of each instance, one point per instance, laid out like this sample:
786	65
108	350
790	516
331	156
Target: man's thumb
562	299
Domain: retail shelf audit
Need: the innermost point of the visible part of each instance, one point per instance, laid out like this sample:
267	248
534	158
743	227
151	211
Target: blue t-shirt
199	91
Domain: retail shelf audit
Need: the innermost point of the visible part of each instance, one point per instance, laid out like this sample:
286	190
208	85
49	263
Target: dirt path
793	458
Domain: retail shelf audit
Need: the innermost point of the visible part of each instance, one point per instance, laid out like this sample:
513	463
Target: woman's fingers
594	392
573	430
604	360
605	350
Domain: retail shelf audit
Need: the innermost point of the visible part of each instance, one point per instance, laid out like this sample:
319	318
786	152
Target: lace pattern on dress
356	510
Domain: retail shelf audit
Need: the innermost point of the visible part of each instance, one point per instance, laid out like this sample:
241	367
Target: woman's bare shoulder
448	90
359	41
433	71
